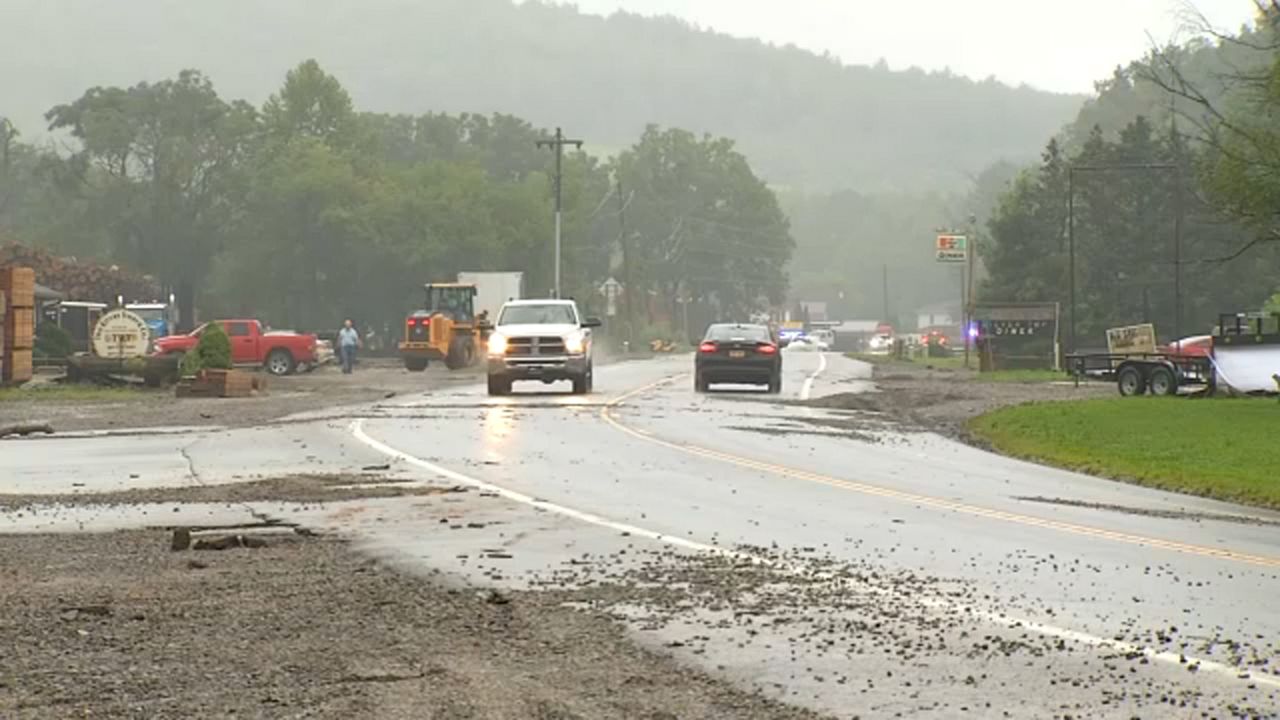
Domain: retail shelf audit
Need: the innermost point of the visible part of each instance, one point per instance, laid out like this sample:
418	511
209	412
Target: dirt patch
374	379
296	488
119	626
918	397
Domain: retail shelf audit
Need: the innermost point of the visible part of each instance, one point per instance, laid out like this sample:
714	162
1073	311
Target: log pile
80	280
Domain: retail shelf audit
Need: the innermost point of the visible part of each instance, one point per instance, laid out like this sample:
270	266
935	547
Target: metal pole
559	150
969	287
886	295
558	226
964	315
630	292
1071	249
1177	254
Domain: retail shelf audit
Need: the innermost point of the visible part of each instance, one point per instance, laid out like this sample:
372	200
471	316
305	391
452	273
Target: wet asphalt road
817	556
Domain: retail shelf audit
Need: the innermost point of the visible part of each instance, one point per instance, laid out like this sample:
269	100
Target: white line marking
807	389
947	606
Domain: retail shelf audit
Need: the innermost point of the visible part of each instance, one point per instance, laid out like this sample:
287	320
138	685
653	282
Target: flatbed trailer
1137	373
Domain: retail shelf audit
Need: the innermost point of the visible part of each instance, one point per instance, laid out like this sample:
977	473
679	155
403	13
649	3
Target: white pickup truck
544	340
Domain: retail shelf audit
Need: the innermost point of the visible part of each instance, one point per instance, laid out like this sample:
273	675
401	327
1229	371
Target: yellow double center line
606	413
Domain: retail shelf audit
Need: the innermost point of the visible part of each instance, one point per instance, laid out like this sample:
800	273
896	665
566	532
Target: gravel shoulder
374	379
309	489
119	626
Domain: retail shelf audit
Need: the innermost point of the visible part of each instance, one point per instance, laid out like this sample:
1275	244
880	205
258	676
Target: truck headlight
575	343
497	344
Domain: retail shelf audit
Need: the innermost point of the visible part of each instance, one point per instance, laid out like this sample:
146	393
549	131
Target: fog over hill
806	122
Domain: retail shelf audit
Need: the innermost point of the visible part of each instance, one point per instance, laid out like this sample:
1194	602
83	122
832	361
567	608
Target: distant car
807	343
880	343
1198	345
738	354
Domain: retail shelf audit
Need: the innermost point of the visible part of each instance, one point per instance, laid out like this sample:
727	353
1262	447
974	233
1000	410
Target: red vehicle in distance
1198	346
277	352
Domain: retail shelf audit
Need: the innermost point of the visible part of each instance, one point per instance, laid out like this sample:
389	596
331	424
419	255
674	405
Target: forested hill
804	120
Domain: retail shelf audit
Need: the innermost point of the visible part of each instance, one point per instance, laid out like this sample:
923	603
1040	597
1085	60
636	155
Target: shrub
52	341
214	348
213	352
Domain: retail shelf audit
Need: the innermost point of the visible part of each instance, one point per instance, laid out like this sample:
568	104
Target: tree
161	161
1125	268
312	104
708	229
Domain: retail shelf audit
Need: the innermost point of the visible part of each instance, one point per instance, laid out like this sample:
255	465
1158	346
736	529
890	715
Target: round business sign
121	334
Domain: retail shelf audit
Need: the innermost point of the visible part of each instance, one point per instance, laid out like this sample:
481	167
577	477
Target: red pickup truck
280	353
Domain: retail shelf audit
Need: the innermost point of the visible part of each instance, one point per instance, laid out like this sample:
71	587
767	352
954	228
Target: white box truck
493	289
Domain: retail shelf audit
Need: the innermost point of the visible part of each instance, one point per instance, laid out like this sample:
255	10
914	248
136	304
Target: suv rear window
729	333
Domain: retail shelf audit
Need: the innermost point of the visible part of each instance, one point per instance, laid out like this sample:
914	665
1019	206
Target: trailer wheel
1163	381
1131	381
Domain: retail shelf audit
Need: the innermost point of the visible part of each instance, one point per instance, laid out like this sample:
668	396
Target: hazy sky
1049	44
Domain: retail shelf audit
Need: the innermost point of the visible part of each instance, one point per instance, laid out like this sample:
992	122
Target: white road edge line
807	389
998	619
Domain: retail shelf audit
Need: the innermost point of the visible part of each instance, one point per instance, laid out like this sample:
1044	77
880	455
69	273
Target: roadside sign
1132	340
120	334
952	248
611	289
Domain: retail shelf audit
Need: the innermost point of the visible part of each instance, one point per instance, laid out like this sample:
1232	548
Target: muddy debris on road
305	489
901	643
120	626
375	379
919	397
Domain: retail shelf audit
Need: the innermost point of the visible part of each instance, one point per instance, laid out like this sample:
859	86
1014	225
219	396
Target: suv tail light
707	347
767	349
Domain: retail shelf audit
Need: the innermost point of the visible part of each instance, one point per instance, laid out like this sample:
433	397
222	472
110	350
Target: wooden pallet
221	383
17	323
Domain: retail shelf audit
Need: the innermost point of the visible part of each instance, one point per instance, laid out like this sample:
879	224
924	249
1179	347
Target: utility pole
886	294
557	146
970	304
628	277
964	312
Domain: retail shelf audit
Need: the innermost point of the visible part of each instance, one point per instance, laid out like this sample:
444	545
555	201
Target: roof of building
948	306
856	326
47	293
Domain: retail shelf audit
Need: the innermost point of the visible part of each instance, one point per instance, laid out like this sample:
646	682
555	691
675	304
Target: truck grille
535	347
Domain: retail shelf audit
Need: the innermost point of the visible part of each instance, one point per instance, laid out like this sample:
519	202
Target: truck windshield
150	315
550	314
